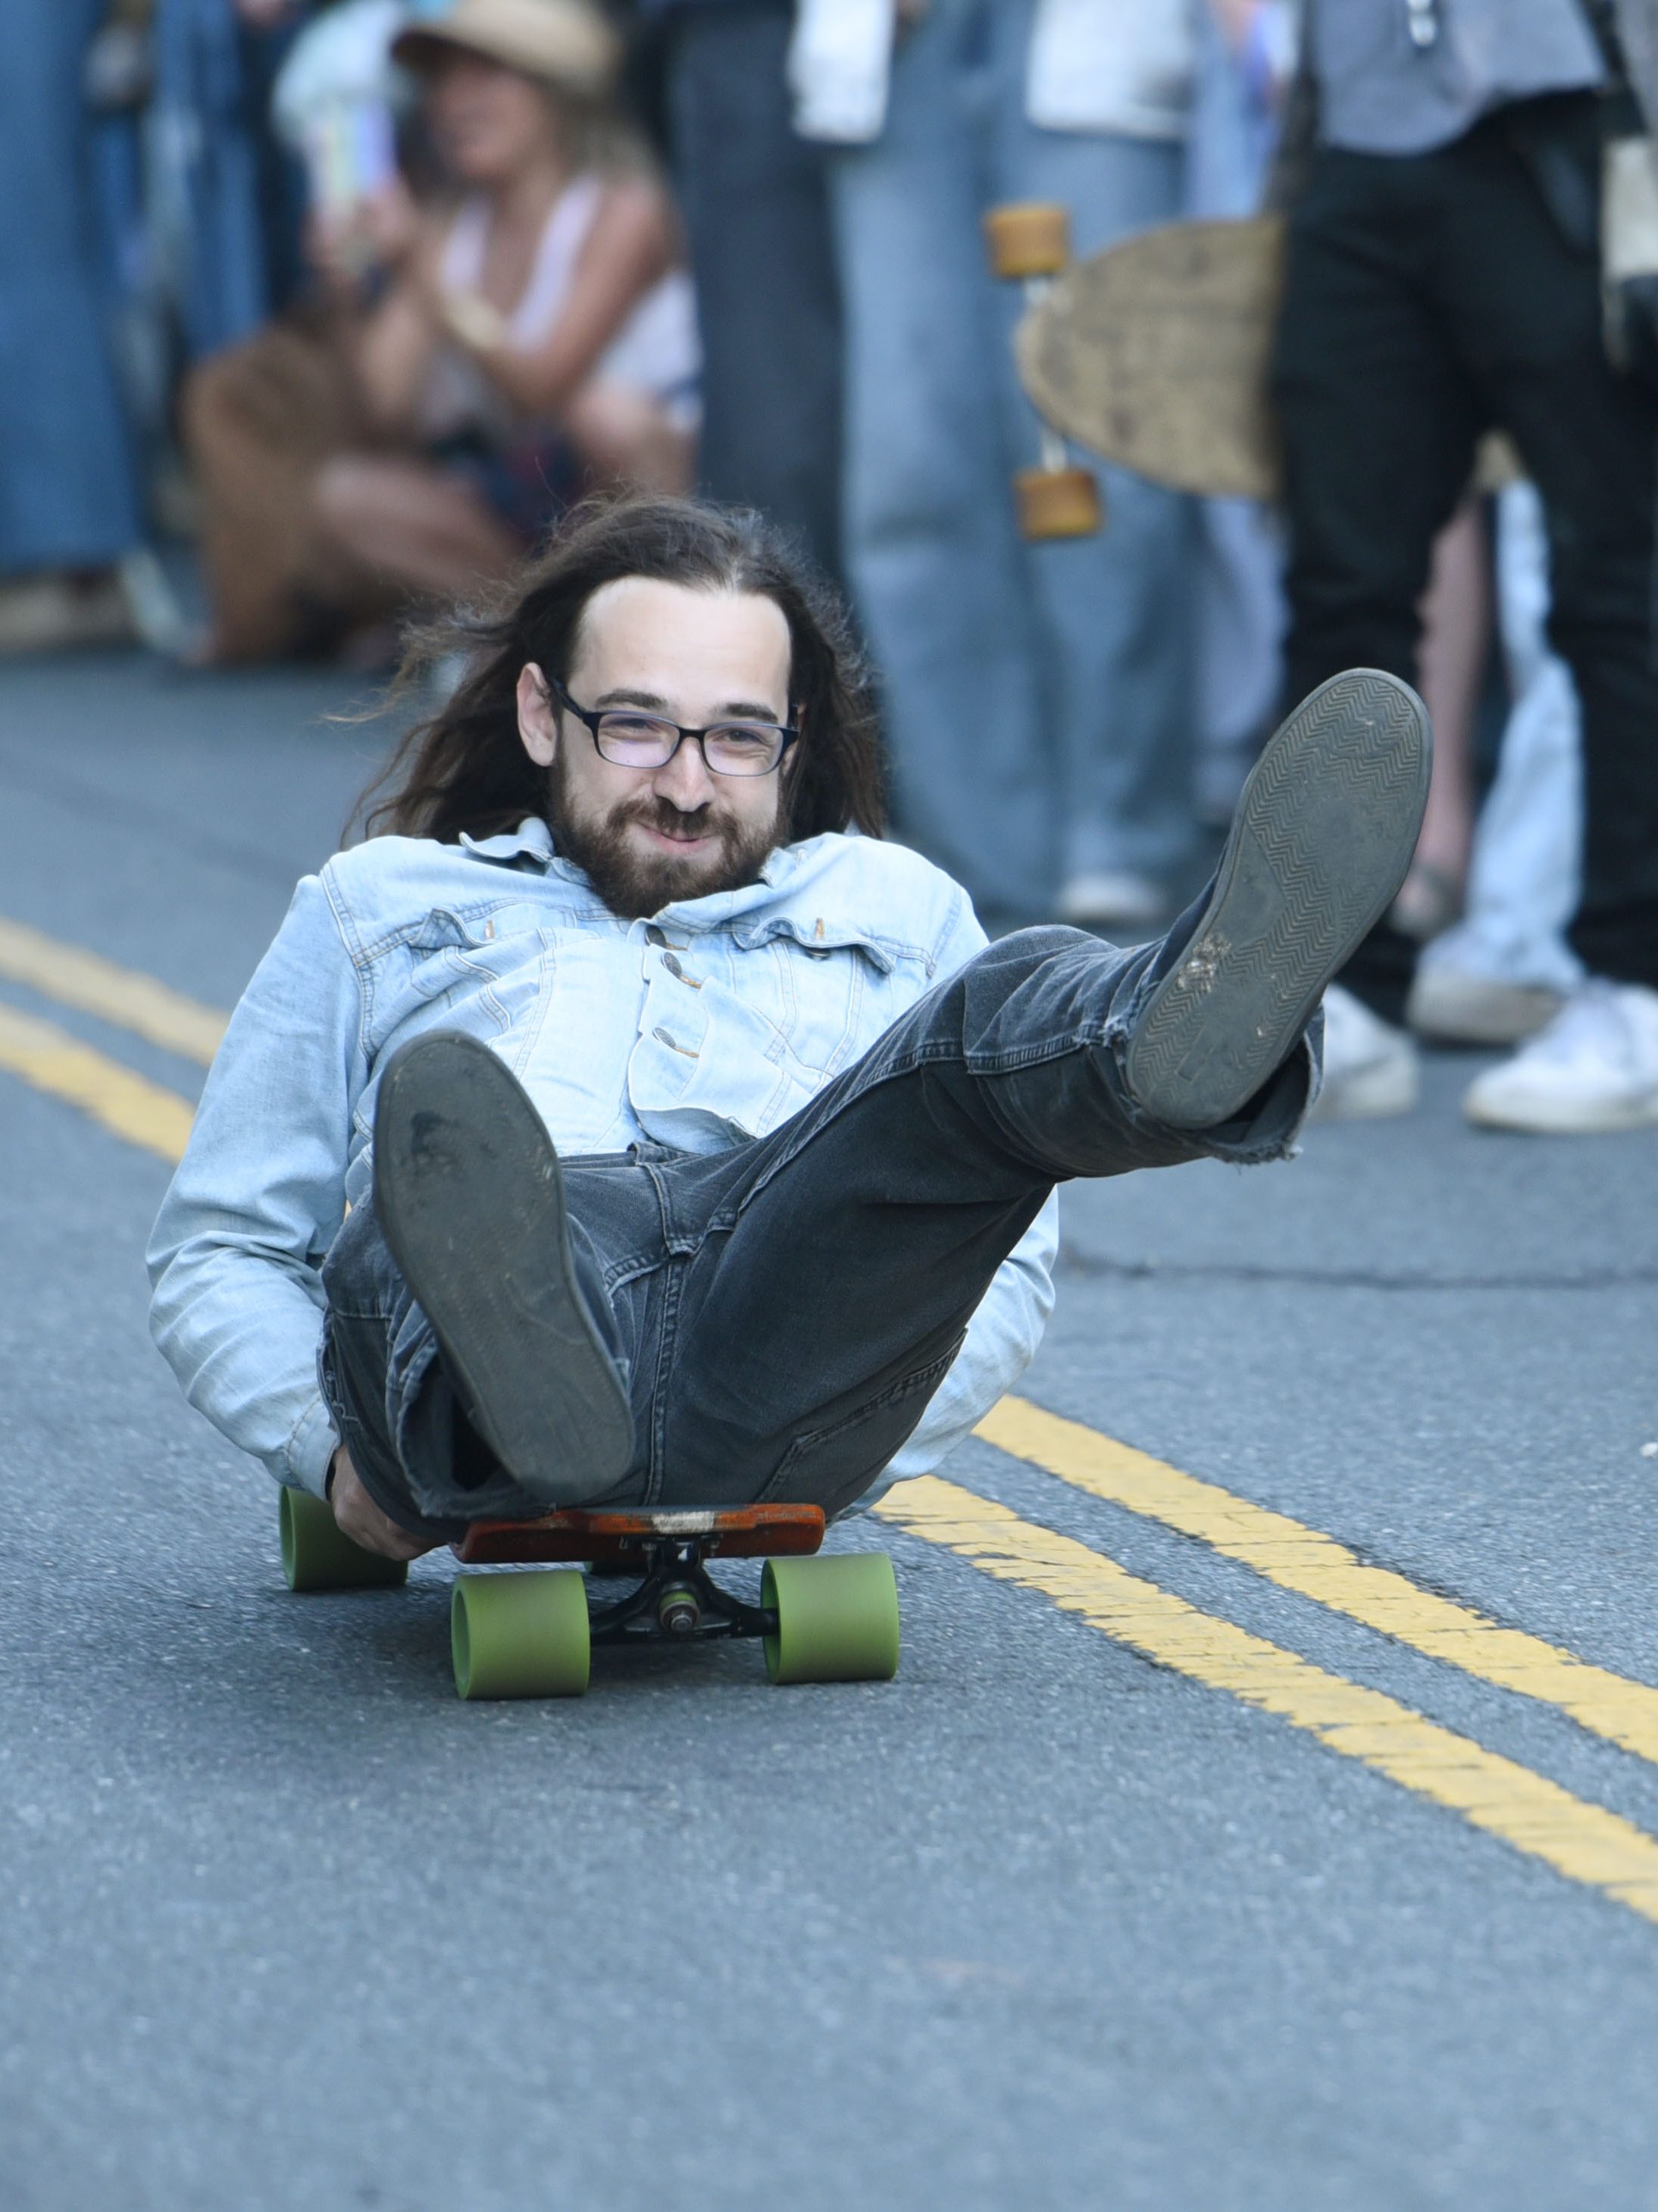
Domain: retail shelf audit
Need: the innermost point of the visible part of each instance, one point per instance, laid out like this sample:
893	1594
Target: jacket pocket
494	954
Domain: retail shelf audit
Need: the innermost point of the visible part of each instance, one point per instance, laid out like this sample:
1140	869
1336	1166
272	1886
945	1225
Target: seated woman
526	337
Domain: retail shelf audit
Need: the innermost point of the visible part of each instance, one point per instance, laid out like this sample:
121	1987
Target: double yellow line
1581	1840
142	1112
1578	1839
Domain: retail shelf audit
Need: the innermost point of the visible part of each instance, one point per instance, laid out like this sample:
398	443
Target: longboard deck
1154	354
743	1532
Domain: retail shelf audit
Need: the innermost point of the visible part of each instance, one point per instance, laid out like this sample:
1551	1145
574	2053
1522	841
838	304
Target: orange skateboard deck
622	1539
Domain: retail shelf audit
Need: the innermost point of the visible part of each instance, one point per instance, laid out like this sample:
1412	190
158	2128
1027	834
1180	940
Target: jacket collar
815	893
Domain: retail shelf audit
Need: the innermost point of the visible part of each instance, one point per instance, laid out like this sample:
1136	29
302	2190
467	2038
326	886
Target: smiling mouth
676	838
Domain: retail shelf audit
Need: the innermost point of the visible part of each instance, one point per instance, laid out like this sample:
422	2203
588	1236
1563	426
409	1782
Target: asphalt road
1046	1920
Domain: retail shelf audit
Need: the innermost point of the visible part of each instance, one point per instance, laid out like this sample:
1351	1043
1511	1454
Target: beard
634	883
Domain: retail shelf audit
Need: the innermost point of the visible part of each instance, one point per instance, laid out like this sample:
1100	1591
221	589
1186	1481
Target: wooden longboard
743	1532
1154	354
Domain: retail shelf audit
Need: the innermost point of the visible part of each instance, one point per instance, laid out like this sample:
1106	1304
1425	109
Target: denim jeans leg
1037	697
756	213
394	1406
933	554
833	1277
1113	615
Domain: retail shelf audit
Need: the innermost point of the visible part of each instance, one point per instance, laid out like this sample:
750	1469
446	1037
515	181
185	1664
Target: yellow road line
1315	1565
1583	1842
54	1061
121	995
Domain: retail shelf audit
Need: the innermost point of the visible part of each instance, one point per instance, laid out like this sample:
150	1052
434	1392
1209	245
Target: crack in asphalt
1101	1266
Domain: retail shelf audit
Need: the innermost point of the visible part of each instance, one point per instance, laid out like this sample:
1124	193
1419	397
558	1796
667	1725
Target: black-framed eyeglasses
633	738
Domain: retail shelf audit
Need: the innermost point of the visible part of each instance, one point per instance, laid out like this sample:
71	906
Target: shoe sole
1324	830
1449	1011
470	1200
1559	1118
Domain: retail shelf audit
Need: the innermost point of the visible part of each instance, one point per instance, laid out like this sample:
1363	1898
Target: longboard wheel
1058	503
316	1556
1027	238
521	1635
837	1619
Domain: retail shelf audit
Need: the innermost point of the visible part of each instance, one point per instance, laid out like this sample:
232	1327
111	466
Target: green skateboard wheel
521	1635
317	1557
837	1619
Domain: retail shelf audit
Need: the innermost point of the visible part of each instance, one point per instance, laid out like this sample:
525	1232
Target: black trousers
1430	297
756	213
784	1311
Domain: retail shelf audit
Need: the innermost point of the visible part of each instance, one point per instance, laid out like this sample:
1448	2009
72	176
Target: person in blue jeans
1039	697
753	196
69	478
634	1124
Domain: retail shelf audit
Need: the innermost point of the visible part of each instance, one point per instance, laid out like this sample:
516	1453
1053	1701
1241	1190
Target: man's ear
538	717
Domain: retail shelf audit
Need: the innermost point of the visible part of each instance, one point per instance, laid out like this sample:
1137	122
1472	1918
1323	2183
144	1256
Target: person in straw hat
536	333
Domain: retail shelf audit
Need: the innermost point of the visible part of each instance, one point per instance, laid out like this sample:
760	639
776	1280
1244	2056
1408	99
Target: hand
356	1515
381	229
389	222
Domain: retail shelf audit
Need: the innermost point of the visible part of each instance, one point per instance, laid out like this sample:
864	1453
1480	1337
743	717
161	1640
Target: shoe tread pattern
1323	836
510	1302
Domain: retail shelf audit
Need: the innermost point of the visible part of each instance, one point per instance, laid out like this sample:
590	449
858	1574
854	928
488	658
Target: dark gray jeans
785	1310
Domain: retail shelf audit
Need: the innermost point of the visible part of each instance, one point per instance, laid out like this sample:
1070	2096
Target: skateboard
1154	354
1028	242
531	1635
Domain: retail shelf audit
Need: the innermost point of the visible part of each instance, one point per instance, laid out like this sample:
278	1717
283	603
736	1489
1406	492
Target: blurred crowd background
313	316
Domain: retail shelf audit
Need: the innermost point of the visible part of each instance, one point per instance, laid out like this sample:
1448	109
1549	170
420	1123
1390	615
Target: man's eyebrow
745	710
622	697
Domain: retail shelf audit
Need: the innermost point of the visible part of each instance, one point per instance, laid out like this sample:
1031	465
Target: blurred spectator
1443	277
1452	659
68	506
1498	974
753	196
1038	696
224	204
487	356
1245	58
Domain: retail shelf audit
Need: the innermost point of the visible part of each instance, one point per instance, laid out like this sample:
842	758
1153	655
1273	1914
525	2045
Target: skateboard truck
1028	242
675	1596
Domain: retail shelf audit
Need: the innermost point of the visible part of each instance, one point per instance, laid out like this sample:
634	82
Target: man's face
647	836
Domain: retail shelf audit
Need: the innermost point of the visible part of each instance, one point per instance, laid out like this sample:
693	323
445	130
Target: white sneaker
1455	1005
1594	1069
1370	1069
1110	898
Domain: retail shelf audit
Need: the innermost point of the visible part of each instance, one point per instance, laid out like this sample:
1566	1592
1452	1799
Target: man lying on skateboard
634	1126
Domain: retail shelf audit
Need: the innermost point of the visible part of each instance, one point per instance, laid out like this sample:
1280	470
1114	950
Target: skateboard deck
622	1539
1154	354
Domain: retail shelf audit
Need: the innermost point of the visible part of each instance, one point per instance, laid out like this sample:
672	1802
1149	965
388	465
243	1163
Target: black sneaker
470	1198
1324	832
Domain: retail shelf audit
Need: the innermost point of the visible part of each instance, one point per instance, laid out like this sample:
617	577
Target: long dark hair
466	769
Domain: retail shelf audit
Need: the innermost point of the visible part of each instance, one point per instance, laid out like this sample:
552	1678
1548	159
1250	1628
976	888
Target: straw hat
567	42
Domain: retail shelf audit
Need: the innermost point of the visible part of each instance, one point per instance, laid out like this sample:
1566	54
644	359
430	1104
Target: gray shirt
1395	77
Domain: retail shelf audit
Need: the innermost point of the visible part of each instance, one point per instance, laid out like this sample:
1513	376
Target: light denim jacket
713	1022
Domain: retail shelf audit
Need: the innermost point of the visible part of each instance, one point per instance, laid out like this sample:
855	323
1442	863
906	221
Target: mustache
653	812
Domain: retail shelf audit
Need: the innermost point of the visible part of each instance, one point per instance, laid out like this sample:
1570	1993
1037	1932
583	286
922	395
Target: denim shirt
710	1023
